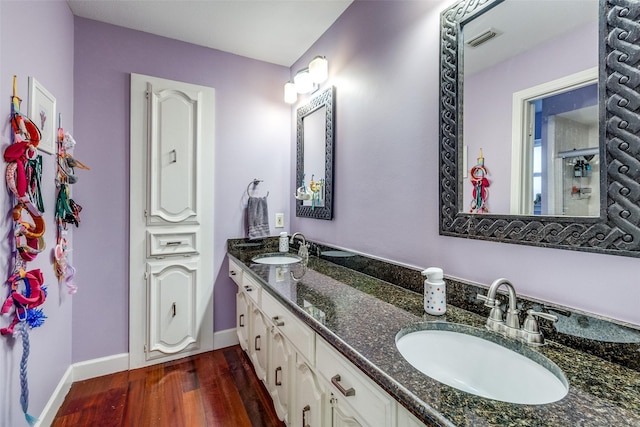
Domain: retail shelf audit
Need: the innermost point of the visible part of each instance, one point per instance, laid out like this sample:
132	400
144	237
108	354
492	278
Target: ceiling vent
483	37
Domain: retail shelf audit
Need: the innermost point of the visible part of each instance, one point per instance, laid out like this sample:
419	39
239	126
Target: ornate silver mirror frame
325	99
617	230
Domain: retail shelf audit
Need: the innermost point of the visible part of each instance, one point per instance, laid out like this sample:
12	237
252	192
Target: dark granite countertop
360	316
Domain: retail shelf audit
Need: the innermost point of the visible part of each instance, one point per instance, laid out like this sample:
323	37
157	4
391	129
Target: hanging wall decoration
67	210
478	177
27	291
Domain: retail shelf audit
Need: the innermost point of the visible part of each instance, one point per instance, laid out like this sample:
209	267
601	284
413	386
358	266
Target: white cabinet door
174	136
342	417
259	344
170	219
280	369
171	311
310	405
350	385
243	313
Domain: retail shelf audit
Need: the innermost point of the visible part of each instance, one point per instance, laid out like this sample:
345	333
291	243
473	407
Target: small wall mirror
314	157
557	135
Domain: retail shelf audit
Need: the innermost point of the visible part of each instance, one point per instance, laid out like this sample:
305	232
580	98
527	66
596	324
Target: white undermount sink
455	355
276	258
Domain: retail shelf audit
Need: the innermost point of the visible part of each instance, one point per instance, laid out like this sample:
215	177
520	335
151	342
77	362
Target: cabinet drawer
352	386
300	336
235	272
161	244
252	289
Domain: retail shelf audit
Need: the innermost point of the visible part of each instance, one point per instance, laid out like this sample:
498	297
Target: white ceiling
275	31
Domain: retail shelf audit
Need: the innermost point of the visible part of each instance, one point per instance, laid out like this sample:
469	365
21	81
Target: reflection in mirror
314	157
508	49
314	149
612	226
555	153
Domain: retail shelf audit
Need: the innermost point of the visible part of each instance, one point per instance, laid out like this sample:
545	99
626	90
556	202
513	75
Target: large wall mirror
539	123
314	157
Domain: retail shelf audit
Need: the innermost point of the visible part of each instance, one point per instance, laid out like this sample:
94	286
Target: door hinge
146	214
145	348
146	275
146	94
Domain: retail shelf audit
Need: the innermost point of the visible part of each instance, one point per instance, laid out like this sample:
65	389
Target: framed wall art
42	111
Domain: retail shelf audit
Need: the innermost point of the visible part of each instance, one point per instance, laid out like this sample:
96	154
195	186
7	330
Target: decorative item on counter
67	210
316	192
302	193
435	295
478	177
26	288
283	242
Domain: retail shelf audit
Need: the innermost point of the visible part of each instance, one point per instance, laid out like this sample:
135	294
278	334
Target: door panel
172	293
173	147
170	220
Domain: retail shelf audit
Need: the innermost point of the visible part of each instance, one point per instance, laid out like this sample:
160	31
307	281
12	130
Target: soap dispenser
283	243
435	296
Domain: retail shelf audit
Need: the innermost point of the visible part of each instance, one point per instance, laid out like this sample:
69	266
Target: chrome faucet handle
531	331
531	324
496	314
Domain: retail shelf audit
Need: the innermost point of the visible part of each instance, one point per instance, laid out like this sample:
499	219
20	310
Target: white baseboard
101	366
78	372
226	338
55	401
104	366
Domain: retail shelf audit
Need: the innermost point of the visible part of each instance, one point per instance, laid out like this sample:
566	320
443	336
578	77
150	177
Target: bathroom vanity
322	338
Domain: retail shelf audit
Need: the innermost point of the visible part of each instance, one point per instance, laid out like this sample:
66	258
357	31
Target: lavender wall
252	124
576	51
384	62
36	39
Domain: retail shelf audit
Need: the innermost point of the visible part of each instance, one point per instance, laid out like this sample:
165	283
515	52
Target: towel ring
255	182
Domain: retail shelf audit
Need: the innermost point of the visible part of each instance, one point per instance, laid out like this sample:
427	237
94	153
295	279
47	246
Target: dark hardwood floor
218	388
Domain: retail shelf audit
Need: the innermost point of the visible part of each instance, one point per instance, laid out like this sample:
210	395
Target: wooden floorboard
218	388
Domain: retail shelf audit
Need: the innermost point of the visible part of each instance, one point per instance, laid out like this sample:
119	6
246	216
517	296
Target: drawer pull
174	156
256	343
277	321
335	380
232	273
173	308
304	415
248	288
173	243
241	321
278	381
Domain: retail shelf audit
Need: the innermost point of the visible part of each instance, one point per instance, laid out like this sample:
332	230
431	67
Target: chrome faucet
303	250
510	325
512	319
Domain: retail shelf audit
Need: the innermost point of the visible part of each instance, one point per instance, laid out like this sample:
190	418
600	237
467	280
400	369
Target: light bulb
319	69
303	81
290	94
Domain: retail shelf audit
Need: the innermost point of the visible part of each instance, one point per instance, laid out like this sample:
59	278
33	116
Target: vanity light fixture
319	69
307	80
303	81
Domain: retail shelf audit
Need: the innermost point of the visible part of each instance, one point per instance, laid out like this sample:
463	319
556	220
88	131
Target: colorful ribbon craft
26	292
478	177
